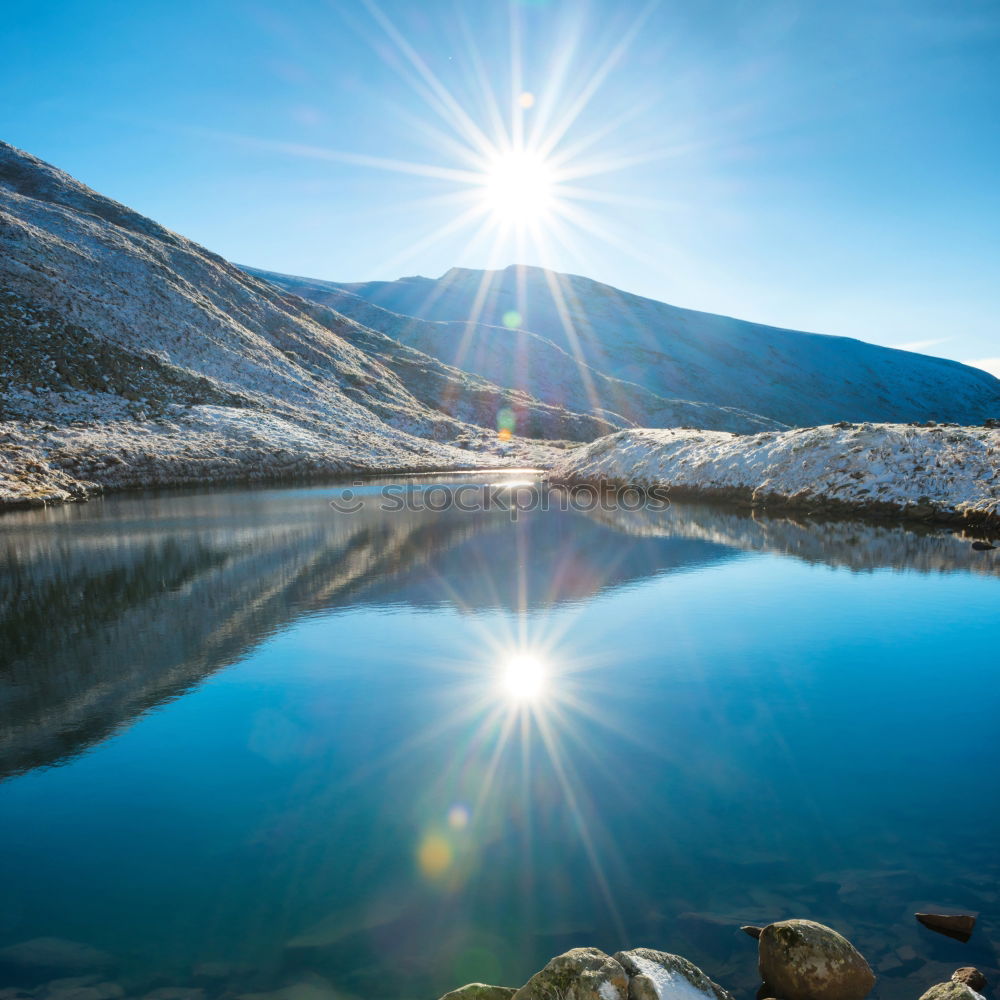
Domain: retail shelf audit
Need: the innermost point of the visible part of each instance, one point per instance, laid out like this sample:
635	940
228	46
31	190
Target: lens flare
524	678
434	856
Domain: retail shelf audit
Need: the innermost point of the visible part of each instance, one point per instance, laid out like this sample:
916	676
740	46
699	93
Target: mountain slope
527	362
796	378
132	356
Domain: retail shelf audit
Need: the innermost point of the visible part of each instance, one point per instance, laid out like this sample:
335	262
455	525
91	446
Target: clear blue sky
829	167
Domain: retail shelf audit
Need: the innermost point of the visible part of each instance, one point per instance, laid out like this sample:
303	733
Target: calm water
242	728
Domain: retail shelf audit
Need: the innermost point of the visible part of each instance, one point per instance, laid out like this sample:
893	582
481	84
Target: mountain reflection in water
412	835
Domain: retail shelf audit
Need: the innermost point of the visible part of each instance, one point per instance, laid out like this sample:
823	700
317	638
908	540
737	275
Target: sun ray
442	99
596	81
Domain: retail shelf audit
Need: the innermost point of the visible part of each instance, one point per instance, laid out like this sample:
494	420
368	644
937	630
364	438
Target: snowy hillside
798	379
132	356
524	361
922	472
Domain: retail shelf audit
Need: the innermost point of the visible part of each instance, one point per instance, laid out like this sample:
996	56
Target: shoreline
938	474
896	473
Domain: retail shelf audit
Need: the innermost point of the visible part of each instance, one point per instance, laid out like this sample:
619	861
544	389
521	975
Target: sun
524	678
519	187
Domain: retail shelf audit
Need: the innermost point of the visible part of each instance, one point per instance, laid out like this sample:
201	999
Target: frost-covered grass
934	472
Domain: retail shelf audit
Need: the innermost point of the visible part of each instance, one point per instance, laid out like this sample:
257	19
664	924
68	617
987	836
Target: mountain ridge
557	377
793	377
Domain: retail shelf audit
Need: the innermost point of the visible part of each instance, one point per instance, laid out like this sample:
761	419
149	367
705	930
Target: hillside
131	356
536	366
798	379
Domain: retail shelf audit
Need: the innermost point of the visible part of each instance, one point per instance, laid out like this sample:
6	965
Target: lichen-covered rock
804	960
580	974
657	975
951	991
480	991
971	976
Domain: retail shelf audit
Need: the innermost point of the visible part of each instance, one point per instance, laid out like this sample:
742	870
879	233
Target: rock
98	991
983	546
657	975
80	988
804	960
68	983
54	953
753	931
215	970
951	991
958	925
971	976
480	991
580	974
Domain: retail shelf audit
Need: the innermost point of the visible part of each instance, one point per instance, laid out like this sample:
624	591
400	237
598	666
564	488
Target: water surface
240	727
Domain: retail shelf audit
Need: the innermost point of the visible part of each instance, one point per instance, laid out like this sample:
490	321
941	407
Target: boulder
580	974
657	975
971	976
480	991
951	991
753	931
804	960
954	925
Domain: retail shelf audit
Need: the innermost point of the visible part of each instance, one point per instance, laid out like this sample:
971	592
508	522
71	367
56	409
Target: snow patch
669	984
941	470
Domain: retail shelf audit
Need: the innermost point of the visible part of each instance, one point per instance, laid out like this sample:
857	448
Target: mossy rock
804	960
580	974
951	991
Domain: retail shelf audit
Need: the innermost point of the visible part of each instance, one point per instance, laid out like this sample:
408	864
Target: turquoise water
243	728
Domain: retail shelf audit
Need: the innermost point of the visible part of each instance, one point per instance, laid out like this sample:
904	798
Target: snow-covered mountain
562	321
537	366
131	356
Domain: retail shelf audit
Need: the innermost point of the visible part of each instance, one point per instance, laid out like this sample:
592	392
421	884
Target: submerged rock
971	976
480	991
954	925
176	993
580	974
657	975
804	960
83	988
54	953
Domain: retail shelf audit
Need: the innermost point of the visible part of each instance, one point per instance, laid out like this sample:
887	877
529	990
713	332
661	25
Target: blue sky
828	167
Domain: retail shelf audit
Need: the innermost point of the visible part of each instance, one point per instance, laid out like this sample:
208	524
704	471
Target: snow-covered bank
42	463
941	472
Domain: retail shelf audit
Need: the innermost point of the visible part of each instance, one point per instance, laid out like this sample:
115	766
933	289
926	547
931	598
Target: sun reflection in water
524	678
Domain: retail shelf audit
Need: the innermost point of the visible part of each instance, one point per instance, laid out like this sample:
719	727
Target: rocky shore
798	959
926	472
